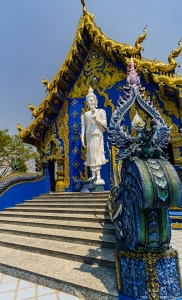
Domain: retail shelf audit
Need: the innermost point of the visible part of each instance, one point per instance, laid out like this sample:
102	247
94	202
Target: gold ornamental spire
84	7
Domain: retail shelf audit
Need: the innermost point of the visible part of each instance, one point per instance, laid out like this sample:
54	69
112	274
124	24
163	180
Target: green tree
13	153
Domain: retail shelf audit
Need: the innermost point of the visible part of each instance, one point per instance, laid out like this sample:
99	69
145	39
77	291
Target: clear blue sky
36	35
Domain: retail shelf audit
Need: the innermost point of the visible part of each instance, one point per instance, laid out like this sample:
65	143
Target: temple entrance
52	174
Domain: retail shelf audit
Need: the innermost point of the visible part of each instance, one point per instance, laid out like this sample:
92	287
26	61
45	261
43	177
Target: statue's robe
95	156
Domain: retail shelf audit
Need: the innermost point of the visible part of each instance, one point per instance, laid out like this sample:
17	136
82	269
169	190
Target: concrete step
54	216
84	253
90	282
59	211
74	196
67	201
60	224
62	205
79	195
71	236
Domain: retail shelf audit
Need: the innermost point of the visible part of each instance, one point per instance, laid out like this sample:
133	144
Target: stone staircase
64	241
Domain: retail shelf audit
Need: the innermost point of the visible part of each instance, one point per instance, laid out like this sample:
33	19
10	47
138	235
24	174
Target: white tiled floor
16	289
176	242
12	288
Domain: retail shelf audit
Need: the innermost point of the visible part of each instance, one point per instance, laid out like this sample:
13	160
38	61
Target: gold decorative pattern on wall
97	72
173	132
177	156
85	108
176	139
108	102
63	132
169	105
50	136
167	119
84	176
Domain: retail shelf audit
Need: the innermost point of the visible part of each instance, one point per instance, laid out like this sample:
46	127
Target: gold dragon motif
155	66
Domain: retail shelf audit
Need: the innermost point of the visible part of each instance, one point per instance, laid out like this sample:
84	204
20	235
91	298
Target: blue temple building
96	60
52	236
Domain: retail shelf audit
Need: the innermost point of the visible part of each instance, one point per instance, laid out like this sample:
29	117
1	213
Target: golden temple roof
88	33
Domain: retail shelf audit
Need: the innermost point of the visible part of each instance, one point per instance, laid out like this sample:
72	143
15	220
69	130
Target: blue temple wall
24	191
99	71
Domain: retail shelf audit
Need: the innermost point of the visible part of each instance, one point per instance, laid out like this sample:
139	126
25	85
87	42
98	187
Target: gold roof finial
140	39
84	7
33	109
20	129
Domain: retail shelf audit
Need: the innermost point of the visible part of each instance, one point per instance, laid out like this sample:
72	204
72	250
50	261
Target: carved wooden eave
88	34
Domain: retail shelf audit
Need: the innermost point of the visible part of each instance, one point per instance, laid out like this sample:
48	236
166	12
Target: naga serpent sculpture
150	184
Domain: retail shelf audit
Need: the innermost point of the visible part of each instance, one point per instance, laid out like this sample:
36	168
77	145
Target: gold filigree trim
176	225
175	208
63	132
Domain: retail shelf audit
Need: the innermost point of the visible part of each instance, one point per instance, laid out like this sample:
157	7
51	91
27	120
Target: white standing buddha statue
93	126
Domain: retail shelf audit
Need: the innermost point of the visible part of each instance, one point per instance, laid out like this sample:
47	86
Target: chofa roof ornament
84	7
